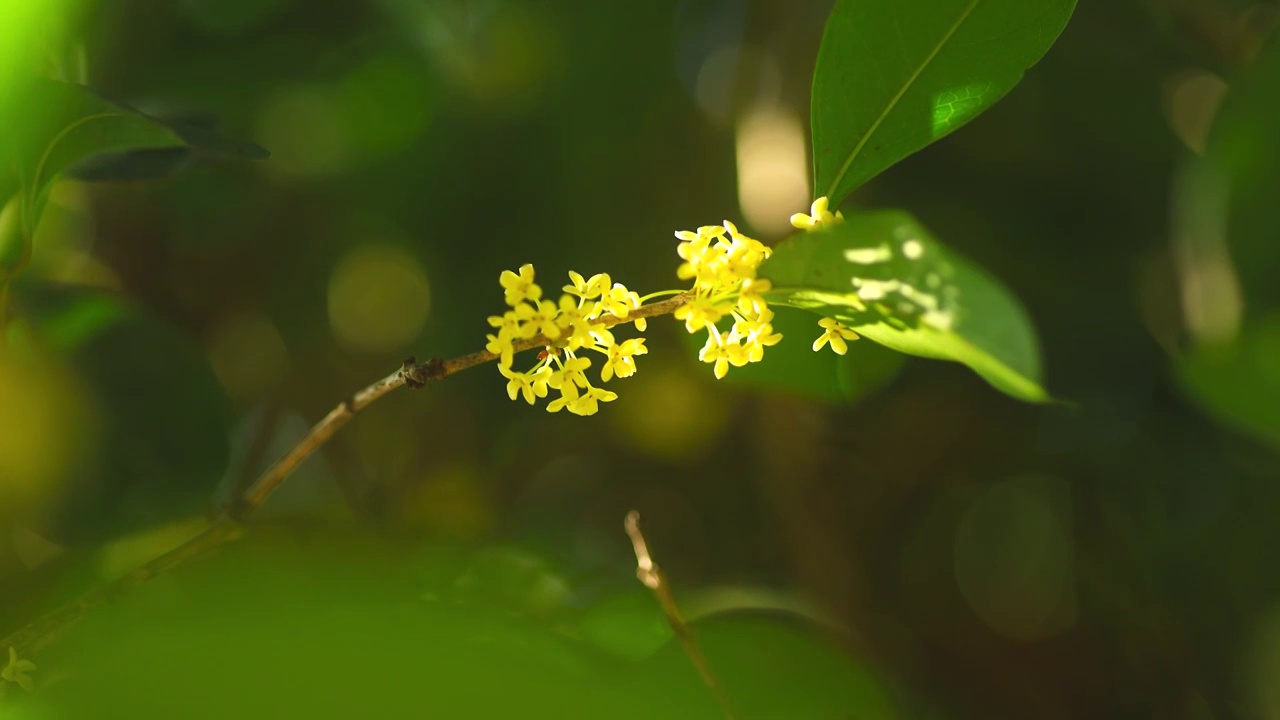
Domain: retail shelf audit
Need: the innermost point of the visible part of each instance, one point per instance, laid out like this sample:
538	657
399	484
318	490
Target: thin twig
649	574
415	375
227	526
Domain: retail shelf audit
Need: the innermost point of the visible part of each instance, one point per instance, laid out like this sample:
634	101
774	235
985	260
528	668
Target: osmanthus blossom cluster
721	262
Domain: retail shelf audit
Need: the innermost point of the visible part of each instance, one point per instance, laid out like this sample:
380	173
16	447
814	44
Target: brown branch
227	526
649	574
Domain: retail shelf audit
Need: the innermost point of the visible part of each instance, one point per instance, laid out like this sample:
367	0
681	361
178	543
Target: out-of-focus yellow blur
378	299
41	415
773	170
249	356
668	412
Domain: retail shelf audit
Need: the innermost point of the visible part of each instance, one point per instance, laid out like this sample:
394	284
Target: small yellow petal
801	221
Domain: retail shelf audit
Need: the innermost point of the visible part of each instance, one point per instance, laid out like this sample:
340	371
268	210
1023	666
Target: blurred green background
855	538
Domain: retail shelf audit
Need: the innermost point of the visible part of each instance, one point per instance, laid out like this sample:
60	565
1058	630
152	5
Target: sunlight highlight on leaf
884	276
953	108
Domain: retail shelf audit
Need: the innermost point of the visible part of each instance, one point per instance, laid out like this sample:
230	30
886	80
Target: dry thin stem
227	526
649	574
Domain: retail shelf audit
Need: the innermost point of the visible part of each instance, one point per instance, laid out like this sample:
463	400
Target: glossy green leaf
893	77
156	439
884	275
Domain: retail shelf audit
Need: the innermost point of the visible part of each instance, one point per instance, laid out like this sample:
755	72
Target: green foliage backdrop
218	218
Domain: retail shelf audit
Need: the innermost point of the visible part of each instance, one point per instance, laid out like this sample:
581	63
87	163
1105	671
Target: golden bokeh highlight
41	421
1191	102
1211	294
668	412
773	170
379	299
248	356
306	130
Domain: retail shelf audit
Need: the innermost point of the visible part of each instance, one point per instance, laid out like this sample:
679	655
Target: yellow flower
702	266
541	316
600	335
718	258
703	260
620	301
587	289
751	298
520	287
754	250
758	334
501	346
836	334
588	403
572	373
18	671
705	234
531	384
509	322
723	351
620	359
818	216
576	320
568	395
699	313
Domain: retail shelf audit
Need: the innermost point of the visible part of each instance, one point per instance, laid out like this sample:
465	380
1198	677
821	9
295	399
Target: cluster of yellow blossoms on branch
721	262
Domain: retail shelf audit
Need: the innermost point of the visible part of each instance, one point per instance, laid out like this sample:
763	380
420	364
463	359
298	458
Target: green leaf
1234	376
770	665
65	124
1239	382
67	128
885	276
1244	151
892	77
155	440
273	612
